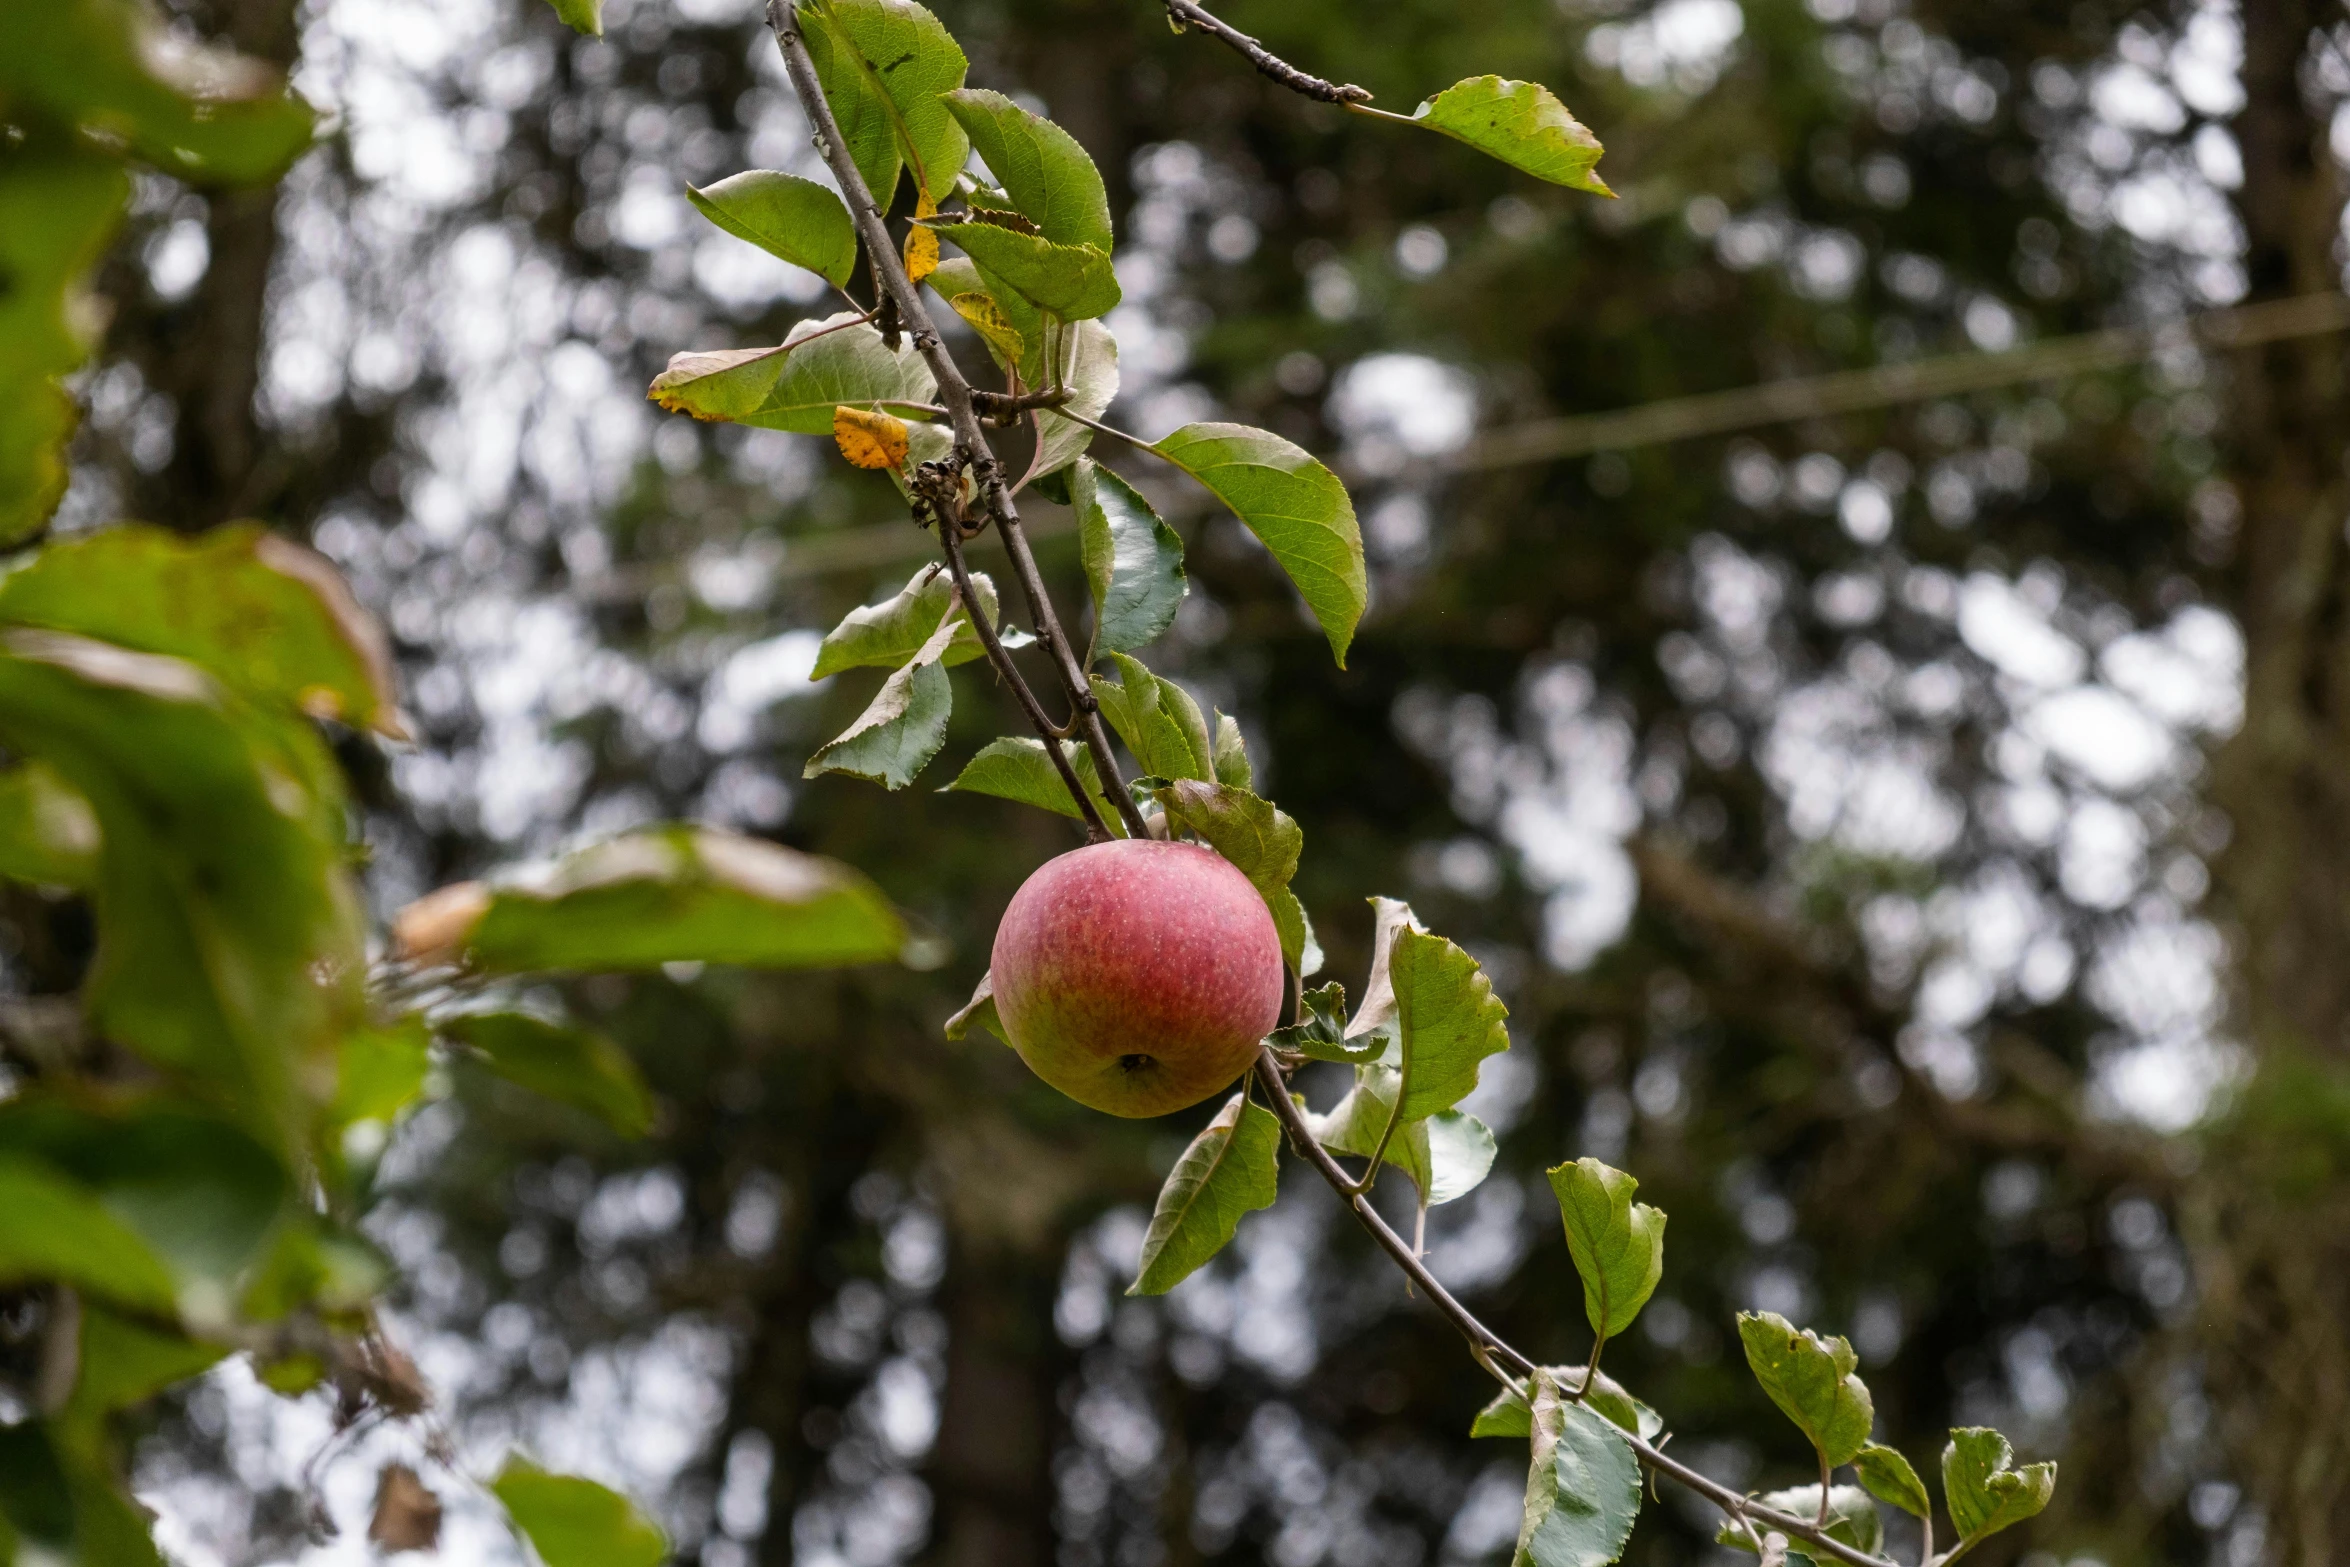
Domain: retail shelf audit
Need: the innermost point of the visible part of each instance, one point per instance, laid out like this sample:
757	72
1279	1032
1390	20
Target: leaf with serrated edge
1810	1379
1445	1156
1073	282
1230	1169
1255	836
905	724
1618	1244
885	635
1157	719
1852	1517
1295	507
1582	1488
1890	1478
1231	754
1133	568
794	219
883	65
1507	1414
1984	1494
1041	167
1017	768
1320	1031
1447	1017
1521	123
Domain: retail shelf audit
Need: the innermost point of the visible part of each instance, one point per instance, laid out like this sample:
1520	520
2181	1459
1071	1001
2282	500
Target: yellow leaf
988	320
869	439
922	243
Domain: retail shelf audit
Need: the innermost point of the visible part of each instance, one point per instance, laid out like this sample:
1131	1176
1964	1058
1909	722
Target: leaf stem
1184	13
954	391
1824	1474
1492	1351
1368	112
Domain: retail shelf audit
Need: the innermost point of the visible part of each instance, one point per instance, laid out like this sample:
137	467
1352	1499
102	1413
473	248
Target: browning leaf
869	438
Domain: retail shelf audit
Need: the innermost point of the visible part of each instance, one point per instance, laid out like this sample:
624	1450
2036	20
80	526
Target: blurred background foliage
1910	841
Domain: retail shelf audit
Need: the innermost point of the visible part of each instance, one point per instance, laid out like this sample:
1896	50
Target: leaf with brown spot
869	438
922	243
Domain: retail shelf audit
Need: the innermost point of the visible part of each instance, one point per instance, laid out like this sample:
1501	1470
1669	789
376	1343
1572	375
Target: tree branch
1184	13
955	393
1488	1346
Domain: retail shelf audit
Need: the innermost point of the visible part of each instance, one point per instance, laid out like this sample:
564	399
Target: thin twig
1183	13
1488	1347
1096	830
954	391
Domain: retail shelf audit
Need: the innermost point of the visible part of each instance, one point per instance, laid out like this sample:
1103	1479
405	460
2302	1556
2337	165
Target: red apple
1137	977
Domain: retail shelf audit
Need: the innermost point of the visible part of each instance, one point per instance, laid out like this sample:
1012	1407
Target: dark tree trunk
2271	1225
992	1472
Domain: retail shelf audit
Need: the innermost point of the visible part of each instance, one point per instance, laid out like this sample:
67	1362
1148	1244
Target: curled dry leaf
869	438
407	1514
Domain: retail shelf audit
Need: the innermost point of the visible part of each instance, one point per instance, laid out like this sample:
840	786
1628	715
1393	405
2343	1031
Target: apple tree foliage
183	1166
961	169
181	1178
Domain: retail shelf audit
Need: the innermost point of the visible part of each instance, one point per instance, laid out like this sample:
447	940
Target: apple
1137	977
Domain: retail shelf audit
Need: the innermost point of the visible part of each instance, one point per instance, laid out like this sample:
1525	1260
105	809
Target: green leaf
1133	569
1230	1169
671	894
266	617
58	207
115	69
1073	282
979	1010
1231	754
1618	1244
381	1071
1017	768
1582	1489
56	1229
36	1497
1521	123
581	16
1448	1018
1984	1494
1890	1478
1294	505
1157	719
1810	1378
568	1065
887	634
883	65
228	931
1041	167
123	1364
904	725
1445	1156
572	1522
1320	1031
798	220
1375	1016
1250	832
48	833
797	385
1081	357
1852	1517
1507	1414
